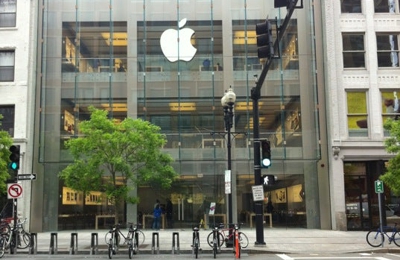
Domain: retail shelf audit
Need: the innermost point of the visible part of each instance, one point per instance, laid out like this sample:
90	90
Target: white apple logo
176	45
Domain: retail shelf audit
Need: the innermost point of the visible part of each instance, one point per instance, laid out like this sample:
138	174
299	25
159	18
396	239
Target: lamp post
228	102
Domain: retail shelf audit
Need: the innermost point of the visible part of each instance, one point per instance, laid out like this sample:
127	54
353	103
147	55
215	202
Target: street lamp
228	102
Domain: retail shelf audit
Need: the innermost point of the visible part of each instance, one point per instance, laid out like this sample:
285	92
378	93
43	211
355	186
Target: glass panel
384	6
356	195
388	50
7	123
7	66
351	6
390	106
353	51
8	9
86	62
357	117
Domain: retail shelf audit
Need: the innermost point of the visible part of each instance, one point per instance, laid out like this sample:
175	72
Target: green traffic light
13	166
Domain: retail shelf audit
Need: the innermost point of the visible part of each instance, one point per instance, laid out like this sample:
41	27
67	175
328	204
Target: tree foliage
392	145
5	142
113	157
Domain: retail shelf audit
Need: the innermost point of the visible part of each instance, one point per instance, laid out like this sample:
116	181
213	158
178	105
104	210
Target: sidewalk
277	241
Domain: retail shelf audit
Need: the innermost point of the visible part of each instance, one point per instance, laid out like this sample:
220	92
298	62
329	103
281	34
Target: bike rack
175	235
53	244
33	244
73	248
153	243
94	243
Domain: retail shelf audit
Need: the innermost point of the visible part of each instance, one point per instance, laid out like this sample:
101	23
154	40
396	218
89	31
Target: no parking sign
14	191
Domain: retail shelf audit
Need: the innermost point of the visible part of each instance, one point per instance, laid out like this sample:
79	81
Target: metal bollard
73	248
94	243
175	234
153	243
53	244
33	244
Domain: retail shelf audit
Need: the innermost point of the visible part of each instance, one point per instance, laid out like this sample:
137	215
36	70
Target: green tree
5	142
392	145
113	157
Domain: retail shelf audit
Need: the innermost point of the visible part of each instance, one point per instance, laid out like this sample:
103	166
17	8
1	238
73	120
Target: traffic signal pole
255	96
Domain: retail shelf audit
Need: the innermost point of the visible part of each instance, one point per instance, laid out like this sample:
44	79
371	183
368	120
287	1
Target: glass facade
109	54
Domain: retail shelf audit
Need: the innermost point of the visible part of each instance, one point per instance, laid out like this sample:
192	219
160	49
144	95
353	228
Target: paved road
354	256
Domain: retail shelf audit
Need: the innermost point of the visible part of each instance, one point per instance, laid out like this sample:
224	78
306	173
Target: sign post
379	191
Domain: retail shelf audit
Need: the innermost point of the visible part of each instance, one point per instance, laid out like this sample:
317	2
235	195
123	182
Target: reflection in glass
351	6
357	117
353	50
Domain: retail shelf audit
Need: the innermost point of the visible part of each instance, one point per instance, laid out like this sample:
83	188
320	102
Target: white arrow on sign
22	177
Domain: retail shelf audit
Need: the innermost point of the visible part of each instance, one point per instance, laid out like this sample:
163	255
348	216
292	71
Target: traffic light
264	40
14	157
268	180
265	153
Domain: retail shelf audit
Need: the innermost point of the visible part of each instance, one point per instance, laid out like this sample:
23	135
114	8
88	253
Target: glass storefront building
108	53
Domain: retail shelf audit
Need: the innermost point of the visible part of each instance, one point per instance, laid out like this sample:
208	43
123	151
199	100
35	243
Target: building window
8	13
353	50
390	105
7	61
357	116
388	49
7	123
387	6
351	6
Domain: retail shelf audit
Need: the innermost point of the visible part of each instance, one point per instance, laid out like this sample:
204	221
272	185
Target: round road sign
14	191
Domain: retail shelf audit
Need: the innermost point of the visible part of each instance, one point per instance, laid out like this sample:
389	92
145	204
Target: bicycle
113	238
196	242
133	240
223	237
215	241
375	238
23	237
5	237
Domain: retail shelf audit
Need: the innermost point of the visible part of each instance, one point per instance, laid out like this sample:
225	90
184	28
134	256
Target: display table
251	215
214	215
151	216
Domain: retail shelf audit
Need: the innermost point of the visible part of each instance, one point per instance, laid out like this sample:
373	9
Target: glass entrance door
357	198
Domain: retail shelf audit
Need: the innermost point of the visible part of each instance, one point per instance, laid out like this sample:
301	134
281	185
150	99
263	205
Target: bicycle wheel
210	239
215	248
24	240
375	238
196	247
3	243
130	251
141	237
243	240
135	245
108	237
110	249
396	239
